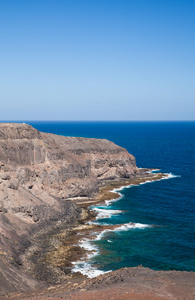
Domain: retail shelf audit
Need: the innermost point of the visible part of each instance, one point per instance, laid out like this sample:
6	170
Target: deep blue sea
168	204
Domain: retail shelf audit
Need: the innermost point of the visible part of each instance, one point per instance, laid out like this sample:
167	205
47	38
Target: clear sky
97	60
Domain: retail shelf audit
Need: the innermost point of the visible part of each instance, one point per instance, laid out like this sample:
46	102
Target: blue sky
97	60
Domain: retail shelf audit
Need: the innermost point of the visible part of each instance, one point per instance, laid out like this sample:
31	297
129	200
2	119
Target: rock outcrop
39	174
36	167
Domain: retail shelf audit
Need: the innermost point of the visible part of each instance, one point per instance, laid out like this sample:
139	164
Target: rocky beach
47	183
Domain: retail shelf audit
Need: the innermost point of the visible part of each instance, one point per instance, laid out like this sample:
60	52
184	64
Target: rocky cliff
40	176
36	168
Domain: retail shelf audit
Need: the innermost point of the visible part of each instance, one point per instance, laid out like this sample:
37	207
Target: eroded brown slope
125	284
39	173
42	178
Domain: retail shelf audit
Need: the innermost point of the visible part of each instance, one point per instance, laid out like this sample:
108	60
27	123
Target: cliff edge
40	176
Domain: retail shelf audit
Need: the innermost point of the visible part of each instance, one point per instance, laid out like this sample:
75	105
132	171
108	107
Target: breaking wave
83	265
122	227
105	213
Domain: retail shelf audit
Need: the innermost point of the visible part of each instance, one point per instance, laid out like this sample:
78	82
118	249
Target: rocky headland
47	183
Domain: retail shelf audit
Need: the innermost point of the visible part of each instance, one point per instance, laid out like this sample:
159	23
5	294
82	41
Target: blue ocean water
167	204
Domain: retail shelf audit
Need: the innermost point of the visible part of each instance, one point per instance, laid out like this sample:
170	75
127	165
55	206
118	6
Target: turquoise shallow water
167	204
169	245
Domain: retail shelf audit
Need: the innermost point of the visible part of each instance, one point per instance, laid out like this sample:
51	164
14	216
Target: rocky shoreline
42	179
47	184
53	263
51	256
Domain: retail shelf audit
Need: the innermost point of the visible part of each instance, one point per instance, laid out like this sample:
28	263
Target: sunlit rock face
69	166
41	175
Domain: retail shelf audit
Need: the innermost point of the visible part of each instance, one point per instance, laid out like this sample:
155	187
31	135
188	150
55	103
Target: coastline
109	193
65	251
126	283
46	206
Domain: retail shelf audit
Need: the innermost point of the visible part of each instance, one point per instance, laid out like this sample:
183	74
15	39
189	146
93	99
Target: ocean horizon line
100	121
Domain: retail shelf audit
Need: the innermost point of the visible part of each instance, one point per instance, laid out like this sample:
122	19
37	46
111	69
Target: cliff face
40	173
64	166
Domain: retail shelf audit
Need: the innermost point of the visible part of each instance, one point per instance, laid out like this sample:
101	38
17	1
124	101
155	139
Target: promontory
47	183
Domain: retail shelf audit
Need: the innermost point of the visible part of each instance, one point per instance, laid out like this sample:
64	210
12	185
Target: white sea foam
116	190
122	227
128	226
166	176
105	213
153	171
147	181
113	200
82	265
170	175
101	234
87	269
87	245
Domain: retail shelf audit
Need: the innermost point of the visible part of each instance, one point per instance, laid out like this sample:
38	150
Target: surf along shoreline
109	193
53	259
